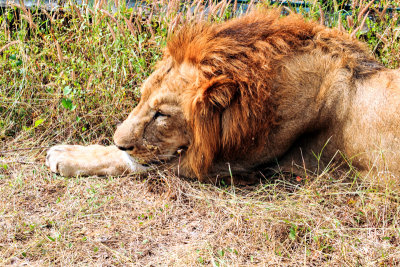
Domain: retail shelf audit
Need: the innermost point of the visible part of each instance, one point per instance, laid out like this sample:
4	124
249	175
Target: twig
9	44
361	14
321	14
116	253
20	162
353	34
23	149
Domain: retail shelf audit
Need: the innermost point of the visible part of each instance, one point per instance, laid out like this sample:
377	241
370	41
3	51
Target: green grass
70	77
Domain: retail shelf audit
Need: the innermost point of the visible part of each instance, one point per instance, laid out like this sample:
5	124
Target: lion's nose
123	137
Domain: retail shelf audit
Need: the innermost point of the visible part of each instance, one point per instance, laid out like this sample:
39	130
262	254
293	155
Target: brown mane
239	61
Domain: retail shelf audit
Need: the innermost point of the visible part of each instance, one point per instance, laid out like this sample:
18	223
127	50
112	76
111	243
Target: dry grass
161	219
97	61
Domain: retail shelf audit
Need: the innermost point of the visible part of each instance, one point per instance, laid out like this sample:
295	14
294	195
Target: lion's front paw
62	159
72	160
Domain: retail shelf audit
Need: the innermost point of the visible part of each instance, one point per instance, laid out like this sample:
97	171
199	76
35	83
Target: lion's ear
218	92
204	114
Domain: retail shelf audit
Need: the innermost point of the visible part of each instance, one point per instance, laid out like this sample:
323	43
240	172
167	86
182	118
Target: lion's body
263	90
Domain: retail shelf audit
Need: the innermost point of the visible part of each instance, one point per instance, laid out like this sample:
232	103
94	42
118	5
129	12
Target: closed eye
159	114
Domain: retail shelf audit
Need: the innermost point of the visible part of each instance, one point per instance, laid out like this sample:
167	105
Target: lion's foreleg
72	160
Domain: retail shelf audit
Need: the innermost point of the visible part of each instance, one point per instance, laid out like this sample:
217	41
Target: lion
252	93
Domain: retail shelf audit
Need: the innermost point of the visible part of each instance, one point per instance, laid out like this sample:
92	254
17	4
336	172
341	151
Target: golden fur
259	90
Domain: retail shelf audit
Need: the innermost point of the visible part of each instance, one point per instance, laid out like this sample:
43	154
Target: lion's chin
147	159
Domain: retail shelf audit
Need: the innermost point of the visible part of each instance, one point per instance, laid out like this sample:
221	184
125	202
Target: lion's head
161	128
156	129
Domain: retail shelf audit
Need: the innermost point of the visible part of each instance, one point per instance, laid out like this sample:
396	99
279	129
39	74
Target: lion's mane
236	96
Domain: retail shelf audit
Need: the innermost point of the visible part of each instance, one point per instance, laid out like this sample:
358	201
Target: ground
159	218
